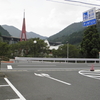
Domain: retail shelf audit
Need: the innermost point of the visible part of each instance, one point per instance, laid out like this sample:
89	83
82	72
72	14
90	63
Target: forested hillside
73	38
4	32
63	34
15	32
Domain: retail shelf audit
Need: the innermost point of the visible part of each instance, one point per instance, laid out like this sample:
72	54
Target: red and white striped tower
23	30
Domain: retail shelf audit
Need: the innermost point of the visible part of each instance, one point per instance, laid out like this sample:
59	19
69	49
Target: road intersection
49	81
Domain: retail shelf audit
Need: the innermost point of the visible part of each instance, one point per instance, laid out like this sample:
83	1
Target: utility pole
0	63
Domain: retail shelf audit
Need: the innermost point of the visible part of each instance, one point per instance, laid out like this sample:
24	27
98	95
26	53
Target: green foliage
29	48
0	34
76	37
73	51
4	49
90	45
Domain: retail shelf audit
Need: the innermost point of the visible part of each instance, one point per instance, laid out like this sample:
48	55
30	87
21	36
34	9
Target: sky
44	17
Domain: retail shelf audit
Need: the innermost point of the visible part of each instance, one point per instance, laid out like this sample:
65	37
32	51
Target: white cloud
43	17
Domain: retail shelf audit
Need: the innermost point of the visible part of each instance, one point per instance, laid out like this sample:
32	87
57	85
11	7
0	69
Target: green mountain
4	32
73	34
63	35
75	38
15	32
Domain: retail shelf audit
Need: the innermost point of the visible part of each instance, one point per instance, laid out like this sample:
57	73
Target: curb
7	61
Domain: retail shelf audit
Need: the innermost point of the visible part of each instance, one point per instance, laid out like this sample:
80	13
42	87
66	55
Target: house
53	45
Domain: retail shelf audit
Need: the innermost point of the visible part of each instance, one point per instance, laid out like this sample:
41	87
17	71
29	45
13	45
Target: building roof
54	46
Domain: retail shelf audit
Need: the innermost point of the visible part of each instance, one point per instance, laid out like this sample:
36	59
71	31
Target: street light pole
35	48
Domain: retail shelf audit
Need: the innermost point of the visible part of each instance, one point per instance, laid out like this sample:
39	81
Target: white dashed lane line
92	74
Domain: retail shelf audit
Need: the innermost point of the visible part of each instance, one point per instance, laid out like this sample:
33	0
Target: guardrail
76	60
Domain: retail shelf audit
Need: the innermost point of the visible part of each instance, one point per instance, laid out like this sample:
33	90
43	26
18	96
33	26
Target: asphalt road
49	81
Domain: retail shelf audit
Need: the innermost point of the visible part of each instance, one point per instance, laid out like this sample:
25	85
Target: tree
37	49
73	52
4	49
90	44
29	48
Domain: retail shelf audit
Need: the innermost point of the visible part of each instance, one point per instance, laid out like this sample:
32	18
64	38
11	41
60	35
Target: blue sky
44	17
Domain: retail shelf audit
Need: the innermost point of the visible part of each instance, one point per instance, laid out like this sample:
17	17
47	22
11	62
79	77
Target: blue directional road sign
90	22
89	17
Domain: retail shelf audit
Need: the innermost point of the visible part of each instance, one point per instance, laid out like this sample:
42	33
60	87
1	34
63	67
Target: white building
52	47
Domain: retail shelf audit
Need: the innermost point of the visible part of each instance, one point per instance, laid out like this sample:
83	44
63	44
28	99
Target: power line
83	3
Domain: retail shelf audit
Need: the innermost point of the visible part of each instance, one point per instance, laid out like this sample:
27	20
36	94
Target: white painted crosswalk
92	74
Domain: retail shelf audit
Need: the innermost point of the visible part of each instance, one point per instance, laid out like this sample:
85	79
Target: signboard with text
89	17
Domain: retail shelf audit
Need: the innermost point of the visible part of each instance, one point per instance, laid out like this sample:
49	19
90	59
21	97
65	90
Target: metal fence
74	60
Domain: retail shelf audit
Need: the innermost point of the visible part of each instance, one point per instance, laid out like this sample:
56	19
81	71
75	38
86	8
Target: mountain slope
14	32
4	32
75	27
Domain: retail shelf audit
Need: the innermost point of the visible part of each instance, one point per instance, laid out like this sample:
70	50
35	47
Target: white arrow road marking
45	75
9	67
38	74
16	91
48	76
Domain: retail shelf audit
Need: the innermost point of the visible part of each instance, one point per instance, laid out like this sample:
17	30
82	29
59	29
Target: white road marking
36	65
15	90
9	67
91	74
38	74
45	75
59	81
57	69
48	76
13	99
97	70
3	85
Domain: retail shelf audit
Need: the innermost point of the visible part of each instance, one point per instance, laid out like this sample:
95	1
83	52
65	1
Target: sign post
99	57
0	63
89	17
